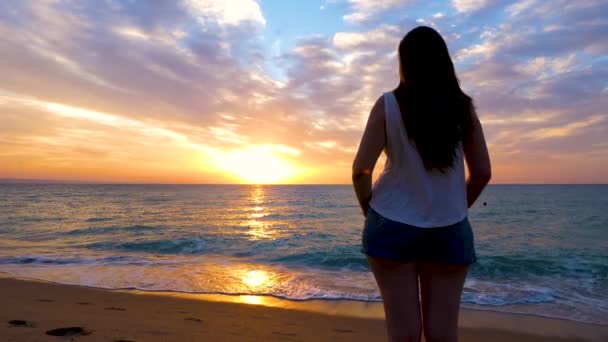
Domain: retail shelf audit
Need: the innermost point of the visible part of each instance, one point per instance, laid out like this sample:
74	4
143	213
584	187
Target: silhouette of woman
417	237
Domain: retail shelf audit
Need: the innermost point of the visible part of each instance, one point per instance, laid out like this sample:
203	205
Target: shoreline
333	306
165	316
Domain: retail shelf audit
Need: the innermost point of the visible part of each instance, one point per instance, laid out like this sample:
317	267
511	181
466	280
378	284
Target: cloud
566	130
469	5
543	67
365	10
379	38
161	90
518	7
230	12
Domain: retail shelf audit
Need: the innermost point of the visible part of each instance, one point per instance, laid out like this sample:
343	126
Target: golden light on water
256	300
258	229
257	197
255	278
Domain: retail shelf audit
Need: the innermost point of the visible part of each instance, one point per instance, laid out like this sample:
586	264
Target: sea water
542	249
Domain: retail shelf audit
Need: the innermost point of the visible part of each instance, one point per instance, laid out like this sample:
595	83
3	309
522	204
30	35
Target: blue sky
190	90
285	26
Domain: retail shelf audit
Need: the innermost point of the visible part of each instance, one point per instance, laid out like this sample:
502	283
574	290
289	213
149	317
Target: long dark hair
435	111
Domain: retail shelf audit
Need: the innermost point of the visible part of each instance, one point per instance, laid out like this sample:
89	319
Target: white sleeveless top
405	191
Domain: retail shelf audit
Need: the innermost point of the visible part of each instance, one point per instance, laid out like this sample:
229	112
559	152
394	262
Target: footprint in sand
69	331
21	323
115	308
157	332
286	334
198	320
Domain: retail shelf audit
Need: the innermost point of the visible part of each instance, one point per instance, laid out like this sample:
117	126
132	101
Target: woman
417	237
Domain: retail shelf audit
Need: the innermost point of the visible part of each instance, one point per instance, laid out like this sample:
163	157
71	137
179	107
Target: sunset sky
275	91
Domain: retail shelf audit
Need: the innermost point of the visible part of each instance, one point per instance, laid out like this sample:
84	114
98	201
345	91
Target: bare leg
440	288
398	283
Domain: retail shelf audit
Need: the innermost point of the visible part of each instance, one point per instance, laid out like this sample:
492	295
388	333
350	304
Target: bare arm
372	144
478	160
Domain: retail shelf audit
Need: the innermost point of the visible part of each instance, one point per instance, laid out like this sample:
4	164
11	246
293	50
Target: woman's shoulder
377	112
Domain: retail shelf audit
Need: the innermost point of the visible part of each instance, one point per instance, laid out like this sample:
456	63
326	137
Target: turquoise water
543	249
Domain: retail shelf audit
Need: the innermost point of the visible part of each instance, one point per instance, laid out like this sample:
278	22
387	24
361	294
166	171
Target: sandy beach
30	309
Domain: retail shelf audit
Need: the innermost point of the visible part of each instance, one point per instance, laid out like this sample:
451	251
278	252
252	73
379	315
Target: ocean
542	249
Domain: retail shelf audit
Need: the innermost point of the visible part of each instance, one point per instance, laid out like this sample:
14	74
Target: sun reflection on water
256	300
257	194
257	229
255	278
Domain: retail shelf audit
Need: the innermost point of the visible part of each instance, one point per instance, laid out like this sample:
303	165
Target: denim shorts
387	239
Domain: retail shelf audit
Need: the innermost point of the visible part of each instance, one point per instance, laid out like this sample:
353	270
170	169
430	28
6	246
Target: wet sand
38	311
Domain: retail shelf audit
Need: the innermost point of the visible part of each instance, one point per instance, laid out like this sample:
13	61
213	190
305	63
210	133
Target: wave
99	219
339	258
235	244
296	216
42	219
111	229
493	293
517	266
39	260
155	200
176	246
289	251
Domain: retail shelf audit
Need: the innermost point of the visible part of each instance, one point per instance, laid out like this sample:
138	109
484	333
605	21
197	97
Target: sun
257	165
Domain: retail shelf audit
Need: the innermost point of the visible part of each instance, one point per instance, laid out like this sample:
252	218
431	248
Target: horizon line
7	181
